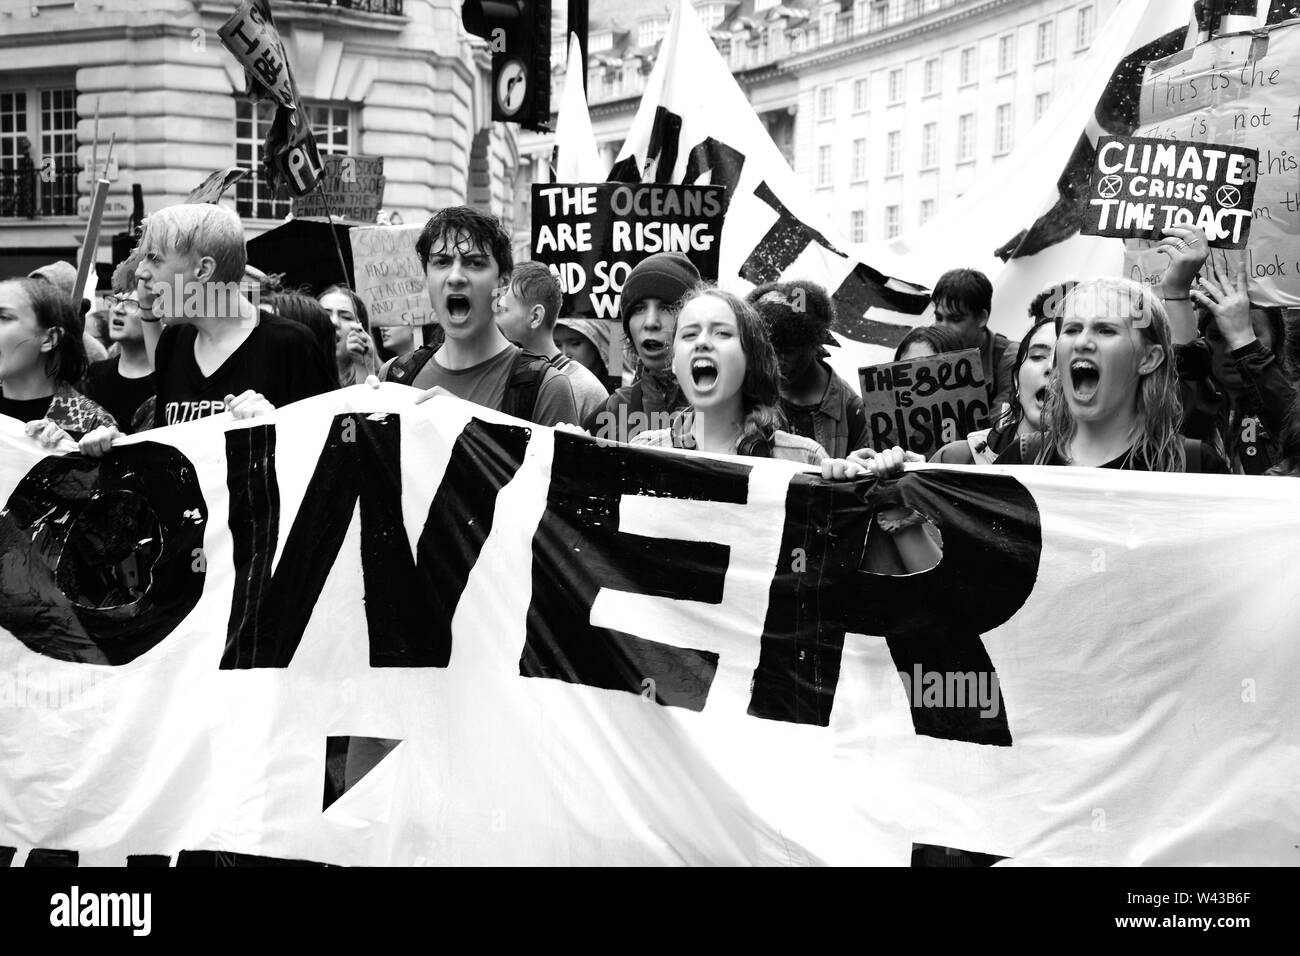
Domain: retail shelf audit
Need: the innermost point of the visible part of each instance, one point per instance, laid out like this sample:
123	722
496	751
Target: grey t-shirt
588	394
485	384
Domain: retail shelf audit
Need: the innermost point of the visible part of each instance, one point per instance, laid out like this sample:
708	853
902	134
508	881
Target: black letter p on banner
101	558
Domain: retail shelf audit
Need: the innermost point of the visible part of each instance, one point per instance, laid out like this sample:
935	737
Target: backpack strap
404	370
526	377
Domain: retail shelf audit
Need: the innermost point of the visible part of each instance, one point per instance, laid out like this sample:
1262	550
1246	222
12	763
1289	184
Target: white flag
695	126
577	158
1025	211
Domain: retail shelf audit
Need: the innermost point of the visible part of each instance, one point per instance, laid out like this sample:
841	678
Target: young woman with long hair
42	359
1114	401
354	350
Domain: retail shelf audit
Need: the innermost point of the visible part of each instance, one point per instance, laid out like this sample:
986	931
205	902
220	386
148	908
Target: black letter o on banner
101	558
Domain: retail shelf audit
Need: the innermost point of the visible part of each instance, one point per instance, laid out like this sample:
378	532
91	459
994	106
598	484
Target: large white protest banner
566	652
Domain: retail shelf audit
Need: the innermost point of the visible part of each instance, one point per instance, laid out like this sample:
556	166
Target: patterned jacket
75	413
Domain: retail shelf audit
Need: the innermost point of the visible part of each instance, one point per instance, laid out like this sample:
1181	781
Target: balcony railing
392	8
28	193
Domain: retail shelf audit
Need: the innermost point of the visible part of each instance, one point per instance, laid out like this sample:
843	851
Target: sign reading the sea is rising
1140	187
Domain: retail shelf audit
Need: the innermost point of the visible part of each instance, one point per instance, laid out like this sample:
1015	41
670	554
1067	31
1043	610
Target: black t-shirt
25	409
1211	463
800	419
279	359
120	396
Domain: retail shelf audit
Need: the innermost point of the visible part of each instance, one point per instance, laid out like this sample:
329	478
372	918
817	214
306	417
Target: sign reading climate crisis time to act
1140	187
591	235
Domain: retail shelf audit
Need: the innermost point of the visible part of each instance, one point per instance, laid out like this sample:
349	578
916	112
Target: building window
826	103
927	210
254	198
598	42
894	153
648	32
965	137
859	160
879	14
828	26
967	71
1041	102
860	91
1083	27
1002	138
712	15
857	226
929	145
895	86
38	152
823	165
1045	46
891	222
931	76
1006	54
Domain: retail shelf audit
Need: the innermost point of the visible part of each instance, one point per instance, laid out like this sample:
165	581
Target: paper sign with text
922	404
1242	90
389	277
351	189
1140	187
592	235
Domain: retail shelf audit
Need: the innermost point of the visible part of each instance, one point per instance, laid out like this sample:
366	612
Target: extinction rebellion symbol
1228	195
1109	187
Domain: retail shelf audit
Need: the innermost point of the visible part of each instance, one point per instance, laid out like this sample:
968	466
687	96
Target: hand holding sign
1187	249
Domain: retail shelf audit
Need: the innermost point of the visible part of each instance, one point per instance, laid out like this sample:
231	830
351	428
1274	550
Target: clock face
512	87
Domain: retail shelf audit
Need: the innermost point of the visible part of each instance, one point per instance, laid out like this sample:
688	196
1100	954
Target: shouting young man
467	265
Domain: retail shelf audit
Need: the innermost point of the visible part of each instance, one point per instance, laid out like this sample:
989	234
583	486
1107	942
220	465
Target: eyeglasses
129	306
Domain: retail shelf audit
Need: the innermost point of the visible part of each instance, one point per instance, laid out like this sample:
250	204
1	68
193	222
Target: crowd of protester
1188	376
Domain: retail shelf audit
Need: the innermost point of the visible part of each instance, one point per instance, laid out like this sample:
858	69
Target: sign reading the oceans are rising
593	235
1140	187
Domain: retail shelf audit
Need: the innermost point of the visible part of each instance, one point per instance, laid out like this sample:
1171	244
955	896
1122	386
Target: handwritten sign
352	188
1142	186
922	404
592	235
1241	90
389	277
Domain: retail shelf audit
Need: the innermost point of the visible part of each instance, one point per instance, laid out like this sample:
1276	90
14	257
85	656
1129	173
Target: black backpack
526	377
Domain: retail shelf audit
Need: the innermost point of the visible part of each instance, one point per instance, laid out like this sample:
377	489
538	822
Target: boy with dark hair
962	300
218	352
648	305
467	264
125	381
817	403
526	312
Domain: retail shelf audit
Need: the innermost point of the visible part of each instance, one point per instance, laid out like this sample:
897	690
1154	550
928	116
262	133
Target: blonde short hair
198	230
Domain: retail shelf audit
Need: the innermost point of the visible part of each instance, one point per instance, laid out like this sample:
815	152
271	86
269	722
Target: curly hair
1157	444
760	393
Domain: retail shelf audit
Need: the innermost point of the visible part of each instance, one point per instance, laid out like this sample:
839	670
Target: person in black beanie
648	306
817	403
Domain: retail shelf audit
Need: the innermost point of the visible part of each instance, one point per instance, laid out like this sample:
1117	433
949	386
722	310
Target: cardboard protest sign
1240	90
922	404
389	277
1142	186
212	188
289	155
592	235
352	188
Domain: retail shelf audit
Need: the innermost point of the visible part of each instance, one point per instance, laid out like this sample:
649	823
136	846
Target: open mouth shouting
458	307
1085	378
652	349
704	374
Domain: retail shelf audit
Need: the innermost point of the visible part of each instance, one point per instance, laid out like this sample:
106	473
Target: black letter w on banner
409	605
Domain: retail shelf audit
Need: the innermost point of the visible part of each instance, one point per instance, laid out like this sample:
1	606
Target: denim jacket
839	422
